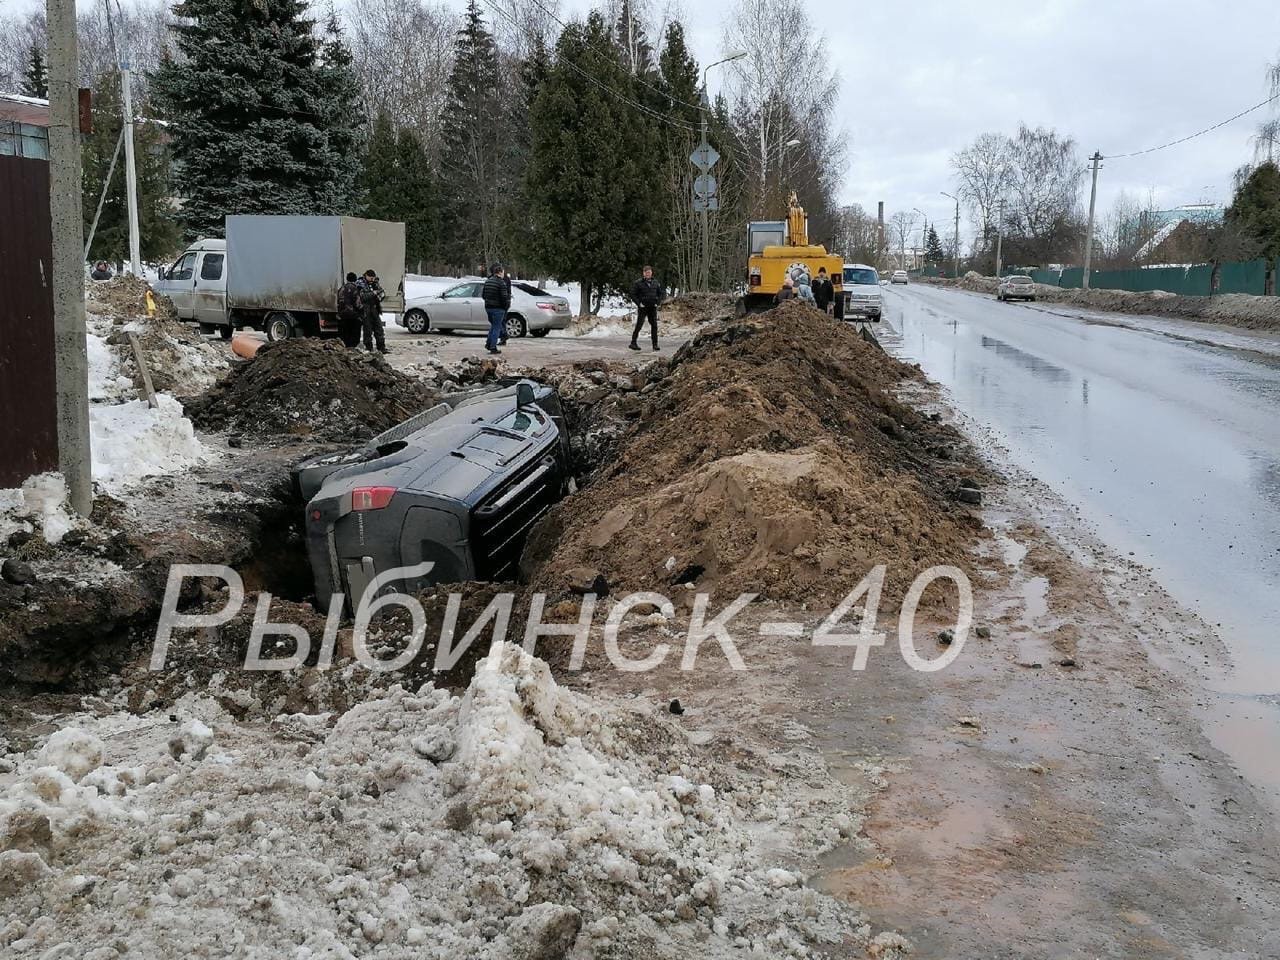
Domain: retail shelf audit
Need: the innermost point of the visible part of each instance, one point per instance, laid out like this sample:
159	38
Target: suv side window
183	269
211	266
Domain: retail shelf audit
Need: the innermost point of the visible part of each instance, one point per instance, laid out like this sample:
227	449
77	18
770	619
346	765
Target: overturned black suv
459	486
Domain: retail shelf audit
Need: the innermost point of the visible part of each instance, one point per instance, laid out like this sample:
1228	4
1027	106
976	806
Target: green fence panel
1248	277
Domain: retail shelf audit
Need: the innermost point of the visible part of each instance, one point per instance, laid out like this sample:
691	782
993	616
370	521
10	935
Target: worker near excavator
647	293
824	292
788	291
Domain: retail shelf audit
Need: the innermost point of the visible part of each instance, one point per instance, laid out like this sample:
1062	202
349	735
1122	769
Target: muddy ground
1048	795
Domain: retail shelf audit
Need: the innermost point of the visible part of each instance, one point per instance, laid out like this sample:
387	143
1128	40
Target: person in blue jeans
497	301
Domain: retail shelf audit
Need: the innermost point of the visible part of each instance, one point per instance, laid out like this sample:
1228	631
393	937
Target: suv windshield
861	276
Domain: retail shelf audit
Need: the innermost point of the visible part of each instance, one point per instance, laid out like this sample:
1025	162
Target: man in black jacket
647	293
824	292
371	294
497	301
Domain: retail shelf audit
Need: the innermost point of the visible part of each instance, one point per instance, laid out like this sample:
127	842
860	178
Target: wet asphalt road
1169	445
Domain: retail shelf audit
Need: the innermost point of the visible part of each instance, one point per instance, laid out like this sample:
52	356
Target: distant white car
899	276
461	307
1016	287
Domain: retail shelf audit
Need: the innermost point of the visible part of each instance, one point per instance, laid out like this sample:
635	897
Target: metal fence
29	432
1197	281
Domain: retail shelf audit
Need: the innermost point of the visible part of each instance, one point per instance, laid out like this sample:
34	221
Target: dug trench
775	456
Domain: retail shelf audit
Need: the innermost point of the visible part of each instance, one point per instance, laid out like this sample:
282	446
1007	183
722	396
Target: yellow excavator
778	249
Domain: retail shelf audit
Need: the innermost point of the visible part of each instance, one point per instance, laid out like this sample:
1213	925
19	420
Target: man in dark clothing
824	292
349	311
497	300
100	271
788	291
371	294
647	293
502	341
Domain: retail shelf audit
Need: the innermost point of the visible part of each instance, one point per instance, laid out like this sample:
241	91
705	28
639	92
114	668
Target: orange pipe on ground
245	345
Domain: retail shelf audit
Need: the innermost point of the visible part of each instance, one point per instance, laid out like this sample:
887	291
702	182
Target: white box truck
281	274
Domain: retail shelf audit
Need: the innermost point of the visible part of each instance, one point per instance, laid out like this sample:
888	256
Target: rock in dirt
545	931
17	572
310	388
584	580
970	496
676	707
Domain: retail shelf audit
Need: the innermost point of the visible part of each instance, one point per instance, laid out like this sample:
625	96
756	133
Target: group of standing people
797	286
360	311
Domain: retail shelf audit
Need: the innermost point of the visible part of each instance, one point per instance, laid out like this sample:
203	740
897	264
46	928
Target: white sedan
461	307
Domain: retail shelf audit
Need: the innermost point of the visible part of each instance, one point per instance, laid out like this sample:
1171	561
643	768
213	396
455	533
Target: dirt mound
774	459
178	358
695	309
310	388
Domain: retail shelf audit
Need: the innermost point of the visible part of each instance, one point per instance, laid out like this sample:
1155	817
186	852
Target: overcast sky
921	80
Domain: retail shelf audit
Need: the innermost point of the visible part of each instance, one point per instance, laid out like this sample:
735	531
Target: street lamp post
924	227
704	267
957	200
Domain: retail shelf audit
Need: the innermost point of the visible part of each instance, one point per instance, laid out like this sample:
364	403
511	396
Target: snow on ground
131	440
519	820
40	503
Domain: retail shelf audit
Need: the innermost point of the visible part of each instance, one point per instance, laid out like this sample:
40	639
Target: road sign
704	187
711	203
704	156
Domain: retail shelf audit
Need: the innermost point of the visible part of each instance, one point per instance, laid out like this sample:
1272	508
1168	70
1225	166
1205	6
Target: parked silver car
533	310
1016	287
899	276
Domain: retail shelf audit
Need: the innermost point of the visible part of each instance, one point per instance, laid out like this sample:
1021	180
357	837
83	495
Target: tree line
497	133
1029	187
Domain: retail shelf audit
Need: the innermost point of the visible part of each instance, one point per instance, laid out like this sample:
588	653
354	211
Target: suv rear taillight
371	498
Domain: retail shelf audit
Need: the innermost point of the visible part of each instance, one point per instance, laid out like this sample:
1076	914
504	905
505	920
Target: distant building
1179	233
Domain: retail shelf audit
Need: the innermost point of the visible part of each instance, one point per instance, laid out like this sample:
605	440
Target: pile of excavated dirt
772	458
1231	309
695	309
178	358
317	389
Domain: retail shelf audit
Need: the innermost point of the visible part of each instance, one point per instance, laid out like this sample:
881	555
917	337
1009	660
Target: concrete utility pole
957	200
703	279
130	168
71	364
999	238
880	244
1096	160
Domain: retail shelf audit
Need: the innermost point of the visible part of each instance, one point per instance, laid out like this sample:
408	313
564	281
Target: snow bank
131	440
40	503
519	820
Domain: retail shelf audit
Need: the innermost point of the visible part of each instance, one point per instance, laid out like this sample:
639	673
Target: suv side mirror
524	395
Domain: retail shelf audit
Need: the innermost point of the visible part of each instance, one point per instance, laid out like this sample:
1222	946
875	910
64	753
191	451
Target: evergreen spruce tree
533	72
594	171
397	184
637	52
1255	210
35	80
419	204
677	83
257	122
158	228
379	176
933	247
340	95
472	157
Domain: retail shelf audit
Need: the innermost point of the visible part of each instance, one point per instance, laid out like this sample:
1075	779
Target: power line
1198	133
684	103
649	111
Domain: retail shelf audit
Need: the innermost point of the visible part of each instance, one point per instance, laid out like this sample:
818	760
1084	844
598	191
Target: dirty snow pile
129	439
520	820
39	504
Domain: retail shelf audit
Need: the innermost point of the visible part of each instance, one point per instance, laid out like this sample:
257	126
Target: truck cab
197	285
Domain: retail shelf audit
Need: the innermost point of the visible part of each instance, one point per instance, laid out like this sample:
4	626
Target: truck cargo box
298	263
